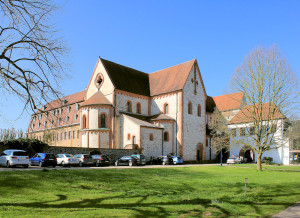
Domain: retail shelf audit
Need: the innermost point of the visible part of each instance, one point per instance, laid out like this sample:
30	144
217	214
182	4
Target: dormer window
67	119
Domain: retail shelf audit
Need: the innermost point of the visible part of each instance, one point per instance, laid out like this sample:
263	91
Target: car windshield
69	155
87	156
96	156
19	153
52	156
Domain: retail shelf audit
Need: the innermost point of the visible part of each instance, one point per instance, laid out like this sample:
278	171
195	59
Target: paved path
290	212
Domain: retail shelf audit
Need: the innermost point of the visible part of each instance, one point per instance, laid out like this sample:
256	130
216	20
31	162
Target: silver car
13	157
85	159
67	160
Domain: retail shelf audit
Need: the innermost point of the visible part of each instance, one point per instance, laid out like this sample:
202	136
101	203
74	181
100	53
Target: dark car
164	160
126	161
101	160
141	159
44	159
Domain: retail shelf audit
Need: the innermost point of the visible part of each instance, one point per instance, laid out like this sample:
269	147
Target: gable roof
127	79
245	116
141	122
97	99
229	102
70	99
170	79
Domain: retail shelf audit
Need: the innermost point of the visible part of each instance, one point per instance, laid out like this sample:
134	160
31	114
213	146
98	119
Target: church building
122	108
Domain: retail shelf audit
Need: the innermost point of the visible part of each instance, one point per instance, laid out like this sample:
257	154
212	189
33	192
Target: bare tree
31	55
271	90
219	133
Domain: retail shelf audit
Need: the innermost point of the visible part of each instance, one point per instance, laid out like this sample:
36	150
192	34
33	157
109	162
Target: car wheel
8	164
130	164
80	164
97	164
116	163
163	163
41	164
25	166
54	166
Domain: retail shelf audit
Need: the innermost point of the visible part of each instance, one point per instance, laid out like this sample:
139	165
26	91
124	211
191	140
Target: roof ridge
228	94
171	66
123	66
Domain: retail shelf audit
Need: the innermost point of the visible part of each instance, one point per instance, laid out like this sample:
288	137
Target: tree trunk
259	168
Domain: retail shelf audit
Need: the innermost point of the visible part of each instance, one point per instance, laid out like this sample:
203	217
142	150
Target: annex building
122	108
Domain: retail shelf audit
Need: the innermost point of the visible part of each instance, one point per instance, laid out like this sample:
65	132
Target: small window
70	135
73	134
166	136
69	109
199	110
103	121
40	116
45	123
190	108
128	136
67	119
84	121
65	136
151	137
78	134
77	106
53	113
233	132
252	130
39	124
46	114
58	120
75	117
242	132
60	111
138	108
129	106
166	108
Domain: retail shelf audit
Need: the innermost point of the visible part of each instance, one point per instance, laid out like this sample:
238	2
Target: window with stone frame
78	134
166	108
102	119
73	134
138	108
129	106
242	131
233	132
128	136
84	121
199	110
151	137
166	136
190	108
65	135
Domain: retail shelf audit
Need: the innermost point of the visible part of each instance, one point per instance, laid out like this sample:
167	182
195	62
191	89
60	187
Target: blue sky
155	34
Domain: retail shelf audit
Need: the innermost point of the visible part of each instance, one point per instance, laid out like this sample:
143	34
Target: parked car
101	160
126	161
13	157
84	159
176	160
67	160
43	160
141	159
233	160
164	160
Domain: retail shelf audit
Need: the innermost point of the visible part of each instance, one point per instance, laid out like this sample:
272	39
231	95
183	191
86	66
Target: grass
167	192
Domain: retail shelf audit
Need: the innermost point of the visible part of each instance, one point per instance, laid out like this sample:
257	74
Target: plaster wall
194	126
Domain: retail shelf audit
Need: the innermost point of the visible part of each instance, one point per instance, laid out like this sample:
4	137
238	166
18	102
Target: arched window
84	122
166	108
133	140
166	136
138	108
102	123
190	108
129	106
128	136
151	137
199	110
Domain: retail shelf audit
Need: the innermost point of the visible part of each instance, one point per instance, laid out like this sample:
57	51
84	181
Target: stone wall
114	154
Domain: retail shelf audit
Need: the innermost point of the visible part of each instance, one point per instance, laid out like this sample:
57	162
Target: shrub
31	146
268	160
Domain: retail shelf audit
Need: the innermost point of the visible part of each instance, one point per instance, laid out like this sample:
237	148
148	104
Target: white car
66	160
13	157
233	160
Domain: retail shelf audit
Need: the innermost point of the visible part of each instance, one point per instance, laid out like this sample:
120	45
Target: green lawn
183	191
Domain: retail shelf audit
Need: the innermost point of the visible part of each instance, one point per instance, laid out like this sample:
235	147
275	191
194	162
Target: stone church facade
122	108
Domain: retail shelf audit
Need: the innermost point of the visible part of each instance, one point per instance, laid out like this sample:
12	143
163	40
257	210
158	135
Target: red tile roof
162	117
245	115
96	99
229	101
170	79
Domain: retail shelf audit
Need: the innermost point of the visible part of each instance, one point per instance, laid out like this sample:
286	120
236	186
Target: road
99	168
